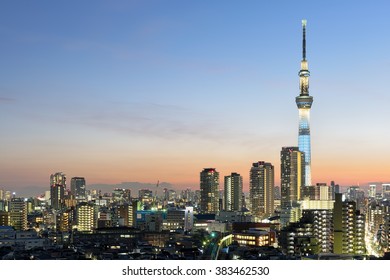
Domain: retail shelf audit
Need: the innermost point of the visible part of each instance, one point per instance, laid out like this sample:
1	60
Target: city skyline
135	91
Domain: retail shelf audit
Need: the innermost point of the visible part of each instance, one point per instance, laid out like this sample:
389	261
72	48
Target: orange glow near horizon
186	175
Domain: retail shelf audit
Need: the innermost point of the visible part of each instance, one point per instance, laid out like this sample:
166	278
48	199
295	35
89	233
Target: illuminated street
370	246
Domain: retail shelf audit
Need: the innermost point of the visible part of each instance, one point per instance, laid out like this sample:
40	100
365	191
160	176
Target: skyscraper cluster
311	222
261	191
299	219
295	165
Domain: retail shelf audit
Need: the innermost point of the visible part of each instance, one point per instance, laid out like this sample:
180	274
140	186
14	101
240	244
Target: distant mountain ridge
133	186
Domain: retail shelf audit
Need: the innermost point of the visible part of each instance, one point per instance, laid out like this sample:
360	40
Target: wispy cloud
172	123
4	99
148	119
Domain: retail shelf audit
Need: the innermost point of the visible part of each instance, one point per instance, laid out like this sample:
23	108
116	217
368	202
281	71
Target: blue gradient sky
157	90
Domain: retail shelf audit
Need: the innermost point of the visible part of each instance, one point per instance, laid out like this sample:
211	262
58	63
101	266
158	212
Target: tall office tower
292	172
304	101
209	191
233	192
77	187
386	191
57	190
85	217
348	225
261	189
355	194
18	213
334	189
372	191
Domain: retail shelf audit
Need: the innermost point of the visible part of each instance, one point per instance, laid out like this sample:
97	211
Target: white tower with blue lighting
304	101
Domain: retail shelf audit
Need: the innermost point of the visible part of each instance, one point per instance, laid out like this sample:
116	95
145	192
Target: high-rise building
386	191
372	191
375	217
209	191
57	190
18	213
384	234
312	234
77	187
85	217
334	188
233	192
128	212
3	205
323	228
354	193
304	102
261	189
348	225
64	221
292	179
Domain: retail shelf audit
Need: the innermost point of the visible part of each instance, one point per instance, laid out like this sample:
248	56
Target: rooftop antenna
304	39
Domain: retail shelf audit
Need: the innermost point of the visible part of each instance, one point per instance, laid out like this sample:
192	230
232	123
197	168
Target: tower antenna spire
304	39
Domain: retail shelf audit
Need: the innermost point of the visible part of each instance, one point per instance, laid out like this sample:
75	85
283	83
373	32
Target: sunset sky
122	91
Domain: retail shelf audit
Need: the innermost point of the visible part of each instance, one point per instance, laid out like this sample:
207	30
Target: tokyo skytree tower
304	101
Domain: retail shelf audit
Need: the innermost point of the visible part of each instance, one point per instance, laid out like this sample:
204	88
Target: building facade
85	217
292	172
209	191
128	212
57	190
233	192
386	191
77	188
261	189
18	214
182	219
349	227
